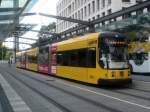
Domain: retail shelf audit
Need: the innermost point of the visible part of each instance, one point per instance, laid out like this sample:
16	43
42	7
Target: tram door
52	60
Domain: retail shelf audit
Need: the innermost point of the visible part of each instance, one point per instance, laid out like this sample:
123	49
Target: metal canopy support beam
59	17
54	34
16	39
73	29
28	14
87	23
66	19
28	38
19	42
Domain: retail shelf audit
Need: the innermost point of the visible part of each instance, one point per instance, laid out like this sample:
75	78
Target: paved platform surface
33	92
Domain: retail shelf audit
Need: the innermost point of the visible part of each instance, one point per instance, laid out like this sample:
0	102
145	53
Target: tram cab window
117	58
113	51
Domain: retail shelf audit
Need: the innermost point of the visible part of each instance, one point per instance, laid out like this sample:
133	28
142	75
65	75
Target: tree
3	51
43	37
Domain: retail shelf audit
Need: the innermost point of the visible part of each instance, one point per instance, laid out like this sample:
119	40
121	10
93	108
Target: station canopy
10	10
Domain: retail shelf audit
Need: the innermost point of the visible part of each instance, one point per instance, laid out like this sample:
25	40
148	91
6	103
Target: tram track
130	94
50	100
114	91
83	98
94	103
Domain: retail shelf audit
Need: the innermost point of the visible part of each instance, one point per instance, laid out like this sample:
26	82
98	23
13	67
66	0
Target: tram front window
117	58
113	51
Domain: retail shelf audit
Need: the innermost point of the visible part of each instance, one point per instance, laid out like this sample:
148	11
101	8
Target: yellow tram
18	59
97	58
31	59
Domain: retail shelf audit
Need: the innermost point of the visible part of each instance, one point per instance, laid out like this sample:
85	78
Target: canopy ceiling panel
10	10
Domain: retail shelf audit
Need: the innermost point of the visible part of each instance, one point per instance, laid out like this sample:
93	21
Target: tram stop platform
26	91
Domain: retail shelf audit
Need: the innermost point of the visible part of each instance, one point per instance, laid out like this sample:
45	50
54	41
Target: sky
43	6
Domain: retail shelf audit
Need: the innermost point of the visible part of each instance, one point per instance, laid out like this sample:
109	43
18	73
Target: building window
109	2
75	4
89	8
75	15
79	17
103	3
85	13
78	3
81	2
72	6
93	6
69	9
98	4
82	13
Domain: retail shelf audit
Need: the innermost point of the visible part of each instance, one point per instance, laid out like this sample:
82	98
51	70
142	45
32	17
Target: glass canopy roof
10	10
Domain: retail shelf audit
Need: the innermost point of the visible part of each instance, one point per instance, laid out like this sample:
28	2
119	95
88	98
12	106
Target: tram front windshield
113	55
117	58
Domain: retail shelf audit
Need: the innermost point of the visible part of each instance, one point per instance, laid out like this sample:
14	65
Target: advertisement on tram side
43	59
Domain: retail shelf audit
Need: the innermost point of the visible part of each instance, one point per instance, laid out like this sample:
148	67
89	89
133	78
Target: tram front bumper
115	81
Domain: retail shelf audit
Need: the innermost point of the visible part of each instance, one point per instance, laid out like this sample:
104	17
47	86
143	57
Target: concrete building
88	10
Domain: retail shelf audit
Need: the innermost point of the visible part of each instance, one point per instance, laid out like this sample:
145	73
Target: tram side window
60	58
32	59
18	59
91	58
43	55
82	58
77	58
63	58
66	58
73	58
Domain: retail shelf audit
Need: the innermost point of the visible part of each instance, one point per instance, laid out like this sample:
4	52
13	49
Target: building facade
88	10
